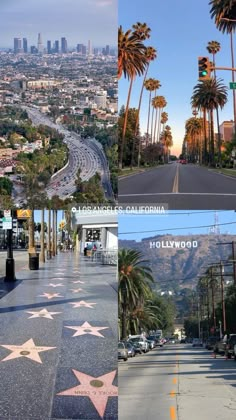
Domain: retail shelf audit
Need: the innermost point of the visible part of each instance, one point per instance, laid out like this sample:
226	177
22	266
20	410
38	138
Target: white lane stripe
178	194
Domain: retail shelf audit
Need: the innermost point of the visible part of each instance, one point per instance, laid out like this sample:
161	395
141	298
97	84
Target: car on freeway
210	342
197	342
130	348
122	351
231	342
141	340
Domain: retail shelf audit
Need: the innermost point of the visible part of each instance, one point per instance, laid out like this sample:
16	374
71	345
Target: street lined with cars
177	381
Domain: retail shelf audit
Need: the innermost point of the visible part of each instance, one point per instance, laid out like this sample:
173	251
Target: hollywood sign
174	244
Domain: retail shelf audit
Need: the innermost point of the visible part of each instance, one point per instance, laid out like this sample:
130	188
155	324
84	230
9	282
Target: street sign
7	213
232	85
7	223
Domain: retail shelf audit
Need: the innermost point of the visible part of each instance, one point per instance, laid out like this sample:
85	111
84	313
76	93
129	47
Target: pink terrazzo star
86	328
27	349
78	281
42	314
55	285
82	303
50	295
97	389
76	290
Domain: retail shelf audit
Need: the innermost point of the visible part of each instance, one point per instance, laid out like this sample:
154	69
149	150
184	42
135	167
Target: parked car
197	342
210	342
235	352
231	342
153	338
151	344
137	348
130	348
122	351
220	345
141	340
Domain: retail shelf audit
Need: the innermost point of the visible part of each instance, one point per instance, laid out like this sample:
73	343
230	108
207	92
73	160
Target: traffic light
204	68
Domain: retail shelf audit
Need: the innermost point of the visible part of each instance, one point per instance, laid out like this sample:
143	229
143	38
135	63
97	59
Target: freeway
177	382
87	155
181	187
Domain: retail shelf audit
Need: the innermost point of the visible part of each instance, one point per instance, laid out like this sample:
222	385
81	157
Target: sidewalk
58	342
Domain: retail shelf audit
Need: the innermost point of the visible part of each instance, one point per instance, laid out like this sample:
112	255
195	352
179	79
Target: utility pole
222	296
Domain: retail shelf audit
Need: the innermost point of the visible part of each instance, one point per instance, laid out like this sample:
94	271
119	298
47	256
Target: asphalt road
180	187
177	382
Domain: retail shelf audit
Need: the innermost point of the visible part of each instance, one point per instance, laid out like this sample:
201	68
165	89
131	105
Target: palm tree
158	103
156	85
213	48
49	248
209	95
223	12
31	248
167	140
134	283
132	61
149	85
151	54
193	127
164	119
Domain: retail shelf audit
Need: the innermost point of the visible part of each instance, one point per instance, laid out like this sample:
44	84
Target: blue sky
174	219
37	216
181	31
77	20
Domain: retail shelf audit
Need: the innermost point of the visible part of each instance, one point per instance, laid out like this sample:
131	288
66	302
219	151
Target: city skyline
78	22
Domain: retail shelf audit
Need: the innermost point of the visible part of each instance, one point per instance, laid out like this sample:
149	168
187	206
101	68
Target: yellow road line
172	413
176	181
174	381
172	393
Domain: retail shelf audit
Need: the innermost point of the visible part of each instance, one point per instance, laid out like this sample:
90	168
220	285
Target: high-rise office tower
89	48
56	47
25	45
17	45
79	48
49	47
63	45
107	50
84	50
40	43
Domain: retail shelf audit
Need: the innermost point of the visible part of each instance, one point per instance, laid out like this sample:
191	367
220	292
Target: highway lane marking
175	188
172	413
172	393
174	381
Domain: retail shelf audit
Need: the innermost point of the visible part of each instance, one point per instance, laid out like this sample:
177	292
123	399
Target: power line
176	228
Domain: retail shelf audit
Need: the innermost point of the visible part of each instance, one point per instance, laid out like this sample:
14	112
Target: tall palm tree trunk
31	249
212	139
152	119
149	109
155	126
205	136
122	146
56	250
124	319
53	233
49	234
42	250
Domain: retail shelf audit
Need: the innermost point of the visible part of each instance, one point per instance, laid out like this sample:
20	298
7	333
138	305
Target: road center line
172	413
176	181
174	381
172	393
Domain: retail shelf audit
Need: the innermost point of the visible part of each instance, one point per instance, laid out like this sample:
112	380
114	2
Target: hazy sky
77	20
184	220
180	31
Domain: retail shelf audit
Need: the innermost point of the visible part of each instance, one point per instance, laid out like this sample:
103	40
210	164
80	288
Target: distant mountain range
177	261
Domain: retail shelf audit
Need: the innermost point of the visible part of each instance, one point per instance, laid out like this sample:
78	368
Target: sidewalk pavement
58	342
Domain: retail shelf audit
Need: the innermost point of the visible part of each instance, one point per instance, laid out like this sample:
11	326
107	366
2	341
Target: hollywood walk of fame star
58	278
50	295
56	285
82	303
27	349
42	314
97	389
86	328
76	290
78	281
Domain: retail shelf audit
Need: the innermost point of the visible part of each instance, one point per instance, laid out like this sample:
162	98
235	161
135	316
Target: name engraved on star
173	244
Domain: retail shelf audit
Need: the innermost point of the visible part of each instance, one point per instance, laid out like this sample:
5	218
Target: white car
141	340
